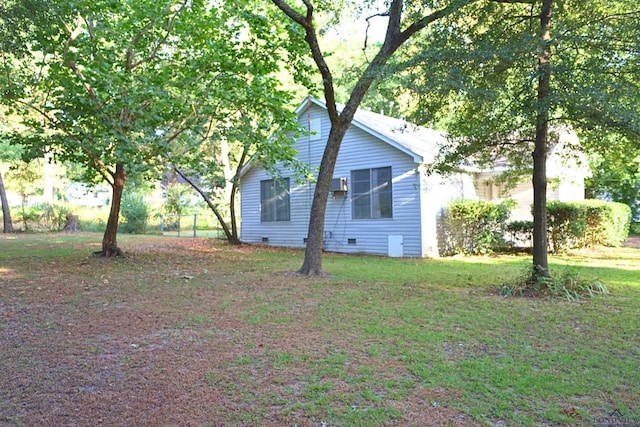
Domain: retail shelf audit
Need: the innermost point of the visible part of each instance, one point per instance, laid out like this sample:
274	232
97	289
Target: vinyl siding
286	233
359	150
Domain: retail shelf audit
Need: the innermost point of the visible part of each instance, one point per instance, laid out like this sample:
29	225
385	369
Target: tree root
109	253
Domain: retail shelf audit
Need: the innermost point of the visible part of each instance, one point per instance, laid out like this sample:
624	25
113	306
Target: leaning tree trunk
211	205
109	241
540	261
6	214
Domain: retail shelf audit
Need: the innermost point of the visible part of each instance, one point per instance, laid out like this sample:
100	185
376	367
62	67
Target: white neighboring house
566	172
86	195
382	200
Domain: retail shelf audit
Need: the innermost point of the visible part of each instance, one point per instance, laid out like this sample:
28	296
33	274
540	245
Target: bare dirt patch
184	332
632	241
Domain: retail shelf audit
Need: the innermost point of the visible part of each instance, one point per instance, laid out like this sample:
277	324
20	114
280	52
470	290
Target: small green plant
43	217
178	198
564	286
135	213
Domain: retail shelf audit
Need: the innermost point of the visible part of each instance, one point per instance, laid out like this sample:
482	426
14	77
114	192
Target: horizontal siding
359	150
437	191
281	233
287	233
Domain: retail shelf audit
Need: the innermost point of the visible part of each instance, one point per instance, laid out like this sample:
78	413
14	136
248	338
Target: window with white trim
371	193
274	200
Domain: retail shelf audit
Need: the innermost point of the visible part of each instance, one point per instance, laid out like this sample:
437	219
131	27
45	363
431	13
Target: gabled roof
419	142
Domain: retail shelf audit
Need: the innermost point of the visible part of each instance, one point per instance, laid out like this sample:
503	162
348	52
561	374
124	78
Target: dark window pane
372	195
274	200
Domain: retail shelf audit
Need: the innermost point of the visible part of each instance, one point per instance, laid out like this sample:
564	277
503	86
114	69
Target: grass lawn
190	331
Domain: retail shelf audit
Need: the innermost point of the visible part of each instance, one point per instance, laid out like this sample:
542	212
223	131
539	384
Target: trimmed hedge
474	227
608	223
566	224
520	233
587	223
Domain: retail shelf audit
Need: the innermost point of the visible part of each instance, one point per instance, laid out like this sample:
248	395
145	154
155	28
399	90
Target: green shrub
564	286
135	213
587	223
54	217
474	227
634	228
607	223
177	198
42	217
566	224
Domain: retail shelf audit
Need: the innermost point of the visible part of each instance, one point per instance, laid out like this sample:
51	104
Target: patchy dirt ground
171	335
633	241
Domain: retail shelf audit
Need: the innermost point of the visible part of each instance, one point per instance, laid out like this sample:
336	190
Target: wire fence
188	225
193	225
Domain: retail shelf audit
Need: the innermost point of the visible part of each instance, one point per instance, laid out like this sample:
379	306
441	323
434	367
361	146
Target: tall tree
18	21
120	83
506	75
543	93
252	121
211	165
405	20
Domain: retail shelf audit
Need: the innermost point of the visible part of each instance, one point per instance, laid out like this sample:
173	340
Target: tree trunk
6	214
109	241
235	238
394	38
540	261
312	264
235	183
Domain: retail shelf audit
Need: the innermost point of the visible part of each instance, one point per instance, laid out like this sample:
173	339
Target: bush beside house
587	223
477	227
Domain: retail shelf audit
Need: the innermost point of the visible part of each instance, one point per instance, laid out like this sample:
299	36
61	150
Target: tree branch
306	22
452	7
366	31
630	14
209	202
75	33
515	1
159	42
98	165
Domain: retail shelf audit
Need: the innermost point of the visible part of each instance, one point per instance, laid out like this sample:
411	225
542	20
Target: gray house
382	201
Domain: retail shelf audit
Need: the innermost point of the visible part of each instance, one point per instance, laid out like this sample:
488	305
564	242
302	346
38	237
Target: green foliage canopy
482	77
